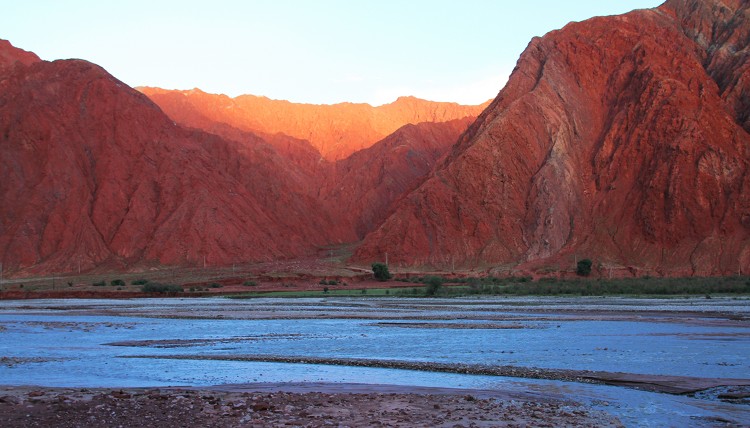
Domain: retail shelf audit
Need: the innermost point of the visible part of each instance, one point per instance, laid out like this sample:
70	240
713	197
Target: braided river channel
649	362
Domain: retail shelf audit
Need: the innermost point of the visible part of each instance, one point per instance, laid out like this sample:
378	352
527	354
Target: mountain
336	131
95	174
623	139
362	188
10	56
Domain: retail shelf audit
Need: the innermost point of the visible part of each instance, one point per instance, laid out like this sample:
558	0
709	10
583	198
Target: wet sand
654	383
279	405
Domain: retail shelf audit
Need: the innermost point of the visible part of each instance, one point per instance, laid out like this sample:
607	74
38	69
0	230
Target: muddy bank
234	407
653	383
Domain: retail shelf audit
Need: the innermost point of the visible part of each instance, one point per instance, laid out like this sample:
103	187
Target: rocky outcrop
623	139
10	56
336	131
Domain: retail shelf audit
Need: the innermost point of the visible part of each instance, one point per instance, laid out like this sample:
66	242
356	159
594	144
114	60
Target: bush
583	268
249	283
433	285
380	271
117	283
99	284
139	282
155	287
215	285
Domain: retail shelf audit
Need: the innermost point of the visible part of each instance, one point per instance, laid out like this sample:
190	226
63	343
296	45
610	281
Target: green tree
380	271
433	285
583	268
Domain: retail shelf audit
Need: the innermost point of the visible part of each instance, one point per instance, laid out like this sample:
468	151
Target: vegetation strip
653	383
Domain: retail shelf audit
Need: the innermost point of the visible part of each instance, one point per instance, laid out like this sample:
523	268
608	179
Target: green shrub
380	271
117	283
99	283
583	268
139	282
434	283
155	287
322	282
215	285
249	283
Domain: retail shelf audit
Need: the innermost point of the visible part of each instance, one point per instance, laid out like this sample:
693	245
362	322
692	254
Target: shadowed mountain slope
623	139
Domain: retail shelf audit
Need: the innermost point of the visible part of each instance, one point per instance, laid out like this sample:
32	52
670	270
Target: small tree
433	285
583	268
380	271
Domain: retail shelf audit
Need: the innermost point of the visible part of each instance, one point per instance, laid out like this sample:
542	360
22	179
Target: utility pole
386	258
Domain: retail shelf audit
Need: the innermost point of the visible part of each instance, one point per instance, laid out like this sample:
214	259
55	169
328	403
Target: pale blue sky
315	51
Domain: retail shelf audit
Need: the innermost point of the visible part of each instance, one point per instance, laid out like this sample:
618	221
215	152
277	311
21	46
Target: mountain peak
10	55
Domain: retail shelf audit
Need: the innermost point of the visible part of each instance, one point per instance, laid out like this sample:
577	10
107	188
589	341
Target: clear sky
314	51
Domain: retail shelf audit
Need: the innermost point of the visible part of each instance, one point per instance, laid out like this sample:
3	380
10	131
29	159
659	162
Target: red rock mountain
336	131
362	188
623	139
96	175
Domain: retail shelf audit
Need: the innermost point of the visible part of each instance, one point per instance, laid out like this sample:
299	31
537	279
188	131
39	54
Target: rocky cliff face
95	174
362	188
623	139
10	56
336	131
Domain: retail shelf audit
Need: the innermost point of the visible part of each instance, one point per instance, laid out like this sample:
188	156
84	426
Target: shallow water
80	342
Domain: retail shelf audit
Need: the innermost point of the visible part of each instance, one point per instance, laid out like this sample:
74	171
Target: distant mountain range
624	139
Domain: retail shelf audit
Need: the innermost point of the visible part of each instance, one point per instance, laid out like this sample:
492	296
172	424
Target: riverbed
648	362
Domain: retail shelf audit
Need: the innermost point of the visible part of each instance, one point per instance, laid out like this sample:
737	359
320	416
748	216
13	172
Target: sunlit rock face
336	131
623	139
